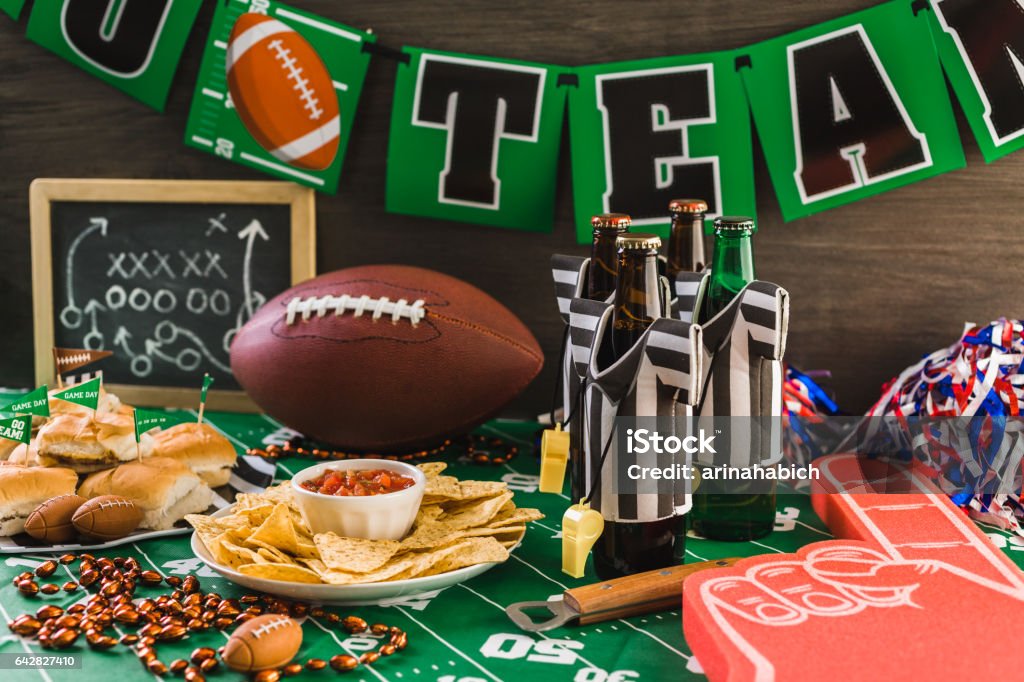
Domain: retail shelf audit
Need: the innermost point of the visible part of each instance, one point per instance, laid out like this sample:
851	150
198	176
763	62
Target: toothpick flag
86	394
34	402
148	419
16	428
207	381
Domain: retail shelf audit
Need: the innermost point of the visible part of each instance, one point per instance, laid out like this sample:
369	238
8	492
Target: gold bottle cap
688	206
735	223
638	240
618	221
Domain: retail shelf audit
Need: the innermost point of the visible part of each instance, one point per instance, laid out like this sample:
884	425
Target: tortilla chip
431	469
474	512
272	554
468	552
515	516
277	531
439	535
440	489
233	554
286	572
354	555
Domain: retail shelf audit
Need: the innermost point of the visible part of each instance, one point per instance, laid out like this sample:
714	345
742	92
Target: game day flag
851	108
646	132
278	90
35	402
86	394
475	139
16	428
135	48
981	45
148	419
12	8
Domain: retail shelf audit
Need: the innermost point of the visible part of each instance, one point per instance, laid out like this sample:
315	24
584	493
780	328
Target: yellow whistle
554	454
581	527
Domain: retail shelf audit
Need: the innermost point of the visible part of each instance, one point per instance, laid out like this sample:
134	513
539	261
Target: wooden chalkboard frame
45	191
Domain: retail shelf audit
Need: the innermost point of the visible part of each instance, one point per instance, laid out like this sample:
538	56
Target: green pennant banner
207	382
278	90
35	402
475	139
136	48
12	8
646	132
16	428
981	45
851	108
86	394
149	419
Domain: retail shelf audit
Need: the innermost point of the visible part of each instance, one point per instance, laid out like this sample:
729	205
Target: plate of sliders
362	532
84	483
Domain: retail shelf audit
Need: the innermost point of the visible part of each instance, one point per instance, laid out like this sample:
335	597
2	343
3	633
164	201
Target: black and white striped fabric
742	354
570	275
657	377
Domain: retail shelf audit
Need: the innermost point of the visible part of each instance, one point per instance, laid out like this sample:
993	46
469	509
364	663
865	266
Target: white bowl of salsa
375	499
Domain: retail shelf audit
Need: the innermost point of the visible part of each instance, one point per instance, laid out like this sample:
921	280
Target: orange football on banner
283	92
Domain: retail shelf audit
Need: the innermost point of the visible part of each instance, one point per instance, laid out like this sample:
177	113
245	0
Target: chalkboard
162	273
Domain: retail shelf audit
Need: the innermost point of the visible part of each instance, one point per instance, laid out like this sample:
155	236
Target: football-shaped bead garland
51	521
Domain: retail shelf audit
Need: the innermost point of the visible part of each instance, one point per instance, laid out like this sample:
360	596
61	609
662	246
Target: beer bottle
686	238
724	510
627	547
607	228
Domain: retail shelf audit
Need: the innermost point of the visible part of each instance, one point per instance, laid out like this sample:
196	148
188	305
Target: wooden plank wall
873	285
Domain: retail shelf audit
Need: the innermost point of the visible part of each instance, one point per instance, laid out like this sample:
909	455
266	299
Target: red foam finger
930	591
794	583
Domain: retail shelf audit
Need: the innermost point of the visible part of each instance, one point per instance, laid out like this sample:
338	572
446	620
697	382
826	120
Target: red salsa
357	483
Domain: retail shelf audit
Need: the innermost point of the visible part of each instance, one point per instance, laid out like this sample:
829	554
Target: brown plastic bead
190	584
178	665
150	578
267	676
129	639
193	675
25	625
316	664
201	654
28	587
46	569
102	642
343	663
369	657
70	586
249	599
49	611
223	623
64	638
292	669
67	559
157	667
209	665
387	650
171	633
69	620
197	625
76	608
354	624
174	581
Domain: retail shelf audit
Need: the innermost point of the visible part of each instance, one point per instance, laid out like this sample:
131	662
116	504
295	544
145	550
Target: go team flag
35	402
851	108
278	90
12	7
475	139
135	48
86	394
981	45
148	419
646	132
16	428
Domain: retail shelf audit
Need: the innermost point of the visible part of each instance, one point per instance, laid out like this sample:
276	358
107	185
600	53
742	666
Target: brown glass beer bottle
686	237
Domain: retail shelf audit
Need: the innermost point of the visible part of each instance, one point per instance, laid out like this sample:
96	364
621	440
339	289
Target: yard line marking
151	563
202	140
507	436
538	523
695	555
541	634
220	44
280	168
342	645
340	86
213	93
628	624
438	637
816	530
767	547
24	645
302	19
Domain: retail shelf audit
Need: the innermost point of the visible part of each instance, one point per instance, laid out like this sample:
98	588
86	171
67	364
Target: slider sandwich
199	447
164	489
22	489
88	443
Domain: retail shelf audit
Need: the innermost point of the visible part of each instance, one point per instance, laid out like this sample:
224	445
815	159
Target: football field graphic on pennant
892	601
278	91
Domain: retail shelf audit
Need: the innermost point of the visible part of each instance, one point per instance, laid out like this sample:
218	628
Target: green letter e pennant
851	108
475	139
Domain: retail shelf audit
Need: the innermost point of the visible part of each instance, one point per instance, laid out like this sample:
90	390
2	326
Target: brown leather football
51	521
384	357
107	517
264	642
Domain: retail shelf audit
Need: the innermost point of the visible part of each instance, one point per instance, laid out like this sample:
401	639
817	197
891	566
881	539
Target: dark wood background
874	285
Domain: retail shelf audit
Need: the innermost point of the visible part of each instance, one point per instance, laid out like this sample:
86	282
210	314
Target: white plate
380	594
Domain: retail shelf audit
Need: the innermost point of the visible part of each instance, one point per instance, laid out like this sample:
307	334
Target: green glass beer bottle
731	509
686	237
628	547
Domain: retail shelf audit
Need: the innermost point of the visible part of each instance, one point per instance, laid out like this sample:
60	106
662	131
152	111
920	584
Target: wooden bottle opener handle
634	595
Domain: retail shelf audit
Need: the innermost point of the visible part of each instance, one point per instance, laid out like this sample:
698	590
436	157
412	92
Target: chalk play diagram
171	304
